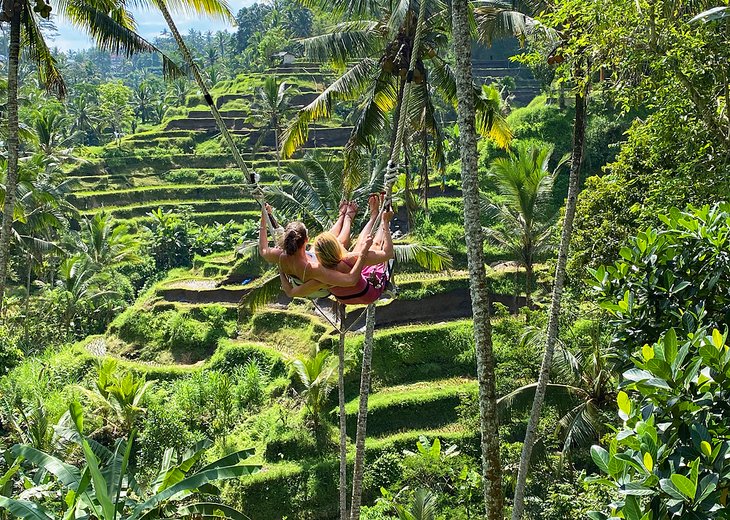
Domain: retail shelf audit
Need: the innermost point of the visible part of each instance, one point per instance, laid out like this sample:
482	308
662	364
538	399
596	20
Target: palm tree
526	184
379	38
83	119
580	72
110	25
143	99
106	243
48	127
178	91
586	383
466	113
270	107
317	375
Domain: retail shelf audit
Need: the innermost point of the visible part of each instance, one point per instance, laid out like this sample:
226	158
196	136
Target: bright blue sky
150	25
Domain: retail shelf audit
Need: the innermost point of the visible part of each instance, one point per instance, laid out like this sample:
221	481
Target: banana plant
105	488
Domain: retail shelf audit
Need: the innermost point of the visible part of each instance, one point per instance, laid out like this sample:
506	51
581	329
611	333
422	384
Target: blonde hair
329	250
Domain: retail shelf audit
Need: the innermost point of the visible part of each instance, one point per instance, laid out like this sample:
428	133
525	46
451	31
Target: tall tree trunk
491	465
343	423
11	180
362	414
579	129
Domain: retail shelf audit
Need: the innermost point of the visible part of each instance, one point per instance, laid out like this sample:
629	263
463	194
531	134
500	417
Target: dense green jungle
552	344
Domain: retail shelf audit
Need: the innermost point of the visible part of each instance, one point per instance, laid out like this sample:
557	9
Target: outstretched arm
299	291
335	278
270	254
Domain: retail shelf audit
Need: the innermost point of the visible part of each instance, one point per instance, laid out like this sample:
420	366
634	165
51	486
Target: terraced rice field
423	362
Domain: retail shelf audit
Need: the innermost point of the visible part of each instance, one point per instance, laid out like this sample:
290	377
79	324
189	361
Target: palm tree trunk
343	422
362	414
11	180
579	130
491	465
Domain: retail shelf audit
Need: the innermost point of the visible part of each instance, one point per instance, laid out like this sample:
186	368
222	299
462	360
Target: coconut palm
83	119
378	38
143	99
109	24
50	139
106	243
178	91
466	115
317	374
580	71
525	216
270	106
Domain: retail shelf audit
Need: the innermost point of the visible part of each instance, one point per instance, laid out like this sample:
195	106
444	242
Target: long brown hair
294	237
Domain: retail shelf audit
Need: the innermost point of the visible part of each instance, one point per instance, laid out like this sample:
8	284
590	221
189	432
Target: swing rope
253	181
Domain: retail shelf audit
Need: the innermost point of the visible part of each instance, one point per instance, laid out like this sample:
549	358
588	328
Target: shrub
163	427
251	383
670	458
668	276
232	355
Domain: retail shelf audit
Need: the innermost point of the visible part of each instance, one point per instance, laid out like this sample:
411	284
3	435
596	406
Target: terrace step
201	218
451	305
89	200
233	207
416	406
304	97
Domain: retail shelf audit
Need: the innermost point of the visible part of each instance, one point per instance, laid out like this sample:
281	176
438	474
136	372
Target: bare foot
374	204
343	207
351	210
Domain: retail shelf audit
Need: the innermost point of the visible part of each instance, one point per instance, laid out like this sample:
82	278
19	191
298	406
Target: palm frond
345	42
35	48
498	20
431	257
346	8
371	123
348	87
580	427
215	9
266	290
114	30
520	400
490	121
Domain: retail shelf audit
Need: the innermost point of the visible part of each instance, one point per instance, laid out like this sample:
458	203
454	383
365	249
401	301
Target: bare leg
374	204
346	231
336	229
387	238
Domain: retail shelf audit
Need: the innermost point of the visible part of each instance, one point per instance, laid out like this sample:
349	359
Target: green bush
287	491
670	276
671	450
163	427
232	355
